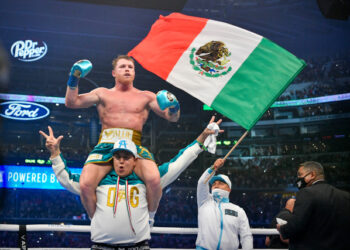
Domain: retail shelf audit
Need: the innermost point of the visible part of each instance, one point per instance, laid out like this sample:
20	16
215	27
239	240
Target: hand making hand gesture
52	143
206	132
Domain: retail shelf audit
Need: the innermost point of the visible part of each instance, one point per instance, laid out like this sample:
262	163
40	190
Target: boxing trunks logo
23	110
28	50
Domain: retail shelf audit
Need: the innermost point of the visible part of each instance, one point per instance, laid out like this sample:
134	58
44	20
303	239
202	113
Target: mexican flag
236	72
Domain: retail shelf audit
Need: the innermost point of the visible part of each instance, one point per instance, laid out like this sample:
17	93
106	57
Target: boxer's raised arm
73	99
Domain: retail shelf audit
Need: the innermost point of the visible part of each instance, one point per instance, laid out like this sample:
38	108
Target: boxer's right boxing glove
80	69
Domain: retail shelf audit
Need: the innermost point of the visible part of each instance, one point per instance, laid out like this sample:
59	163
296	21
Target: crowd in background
271	172
167	150
262	178
251	177
317	89
320	69
321	77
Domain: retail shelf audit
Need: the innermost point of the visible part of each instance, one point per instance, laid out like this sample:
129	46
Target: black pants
143	245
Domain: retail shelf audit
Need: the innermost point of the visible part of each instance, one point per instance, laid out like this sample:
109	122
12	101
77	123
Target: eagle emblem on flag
211	59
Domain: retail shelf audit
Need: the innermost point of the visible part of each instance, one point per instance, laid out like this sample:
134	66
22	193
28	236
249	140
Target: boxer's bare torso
124	108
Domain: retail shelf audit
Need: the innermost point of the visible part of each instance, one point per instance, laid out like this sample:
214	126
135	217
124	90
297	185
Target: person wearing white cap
220	221
122	217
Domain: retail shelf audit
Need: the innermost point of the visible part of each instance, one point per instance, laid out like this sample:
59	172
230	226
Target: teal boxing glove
166	99
80	69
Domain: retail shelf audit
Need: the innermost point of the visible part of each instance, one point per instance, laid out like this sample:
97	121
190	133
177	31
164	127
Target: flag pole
227	155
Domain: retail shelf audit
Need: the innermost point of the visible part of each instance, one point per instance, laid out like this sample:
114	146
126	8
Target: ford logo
28	50
23	110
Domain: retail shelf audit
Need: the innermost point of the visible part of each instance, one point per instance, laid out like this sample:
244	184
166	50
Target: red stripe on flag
167	40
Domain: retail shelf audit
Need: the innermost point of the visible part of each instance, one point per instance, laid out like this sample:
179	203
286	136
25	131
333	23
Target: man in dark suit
321	215
275	241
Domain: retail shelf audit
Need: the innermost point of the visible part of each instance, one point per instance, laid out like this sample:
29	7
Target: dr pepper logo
28	50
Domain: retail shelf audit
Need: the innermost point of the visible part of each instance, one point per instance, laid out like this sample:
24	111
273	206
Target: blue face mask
220	195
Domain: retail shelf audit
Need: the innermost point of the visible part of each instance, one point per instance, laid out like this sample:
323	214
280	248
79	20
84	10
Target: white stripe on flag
239	42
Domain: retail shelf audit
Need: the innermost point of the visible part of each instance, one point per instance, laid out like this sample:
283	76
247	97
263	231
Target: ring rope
86	229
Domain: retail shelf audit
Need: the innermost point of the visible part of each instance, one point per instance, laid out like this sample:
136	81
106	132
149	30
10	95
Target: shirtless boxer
123	110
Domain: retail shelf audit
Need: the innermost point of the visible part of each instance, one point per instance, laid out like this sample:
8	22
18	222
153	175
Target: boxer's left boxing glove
166	99
80	69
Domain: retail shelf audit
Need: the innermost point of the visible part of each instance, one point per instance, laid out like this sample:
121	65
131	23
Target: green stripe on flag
260	80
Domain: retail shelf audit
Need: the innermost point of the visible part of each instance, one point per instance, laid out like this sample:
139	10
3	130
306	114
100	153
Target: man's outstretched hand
218	163
206	132
52	143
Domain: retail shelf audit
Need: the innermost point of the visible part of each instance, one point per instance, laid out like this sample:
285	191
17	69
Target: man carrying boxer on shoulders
121	219
123	110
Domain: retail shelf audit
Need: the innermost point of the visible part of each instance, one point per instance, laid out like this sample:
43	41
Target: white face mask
220	194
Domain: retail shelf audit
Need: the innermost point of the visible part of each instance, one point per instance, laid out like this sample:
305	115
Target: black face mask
300	182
